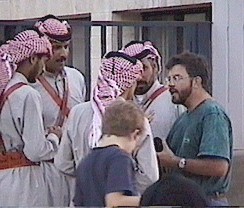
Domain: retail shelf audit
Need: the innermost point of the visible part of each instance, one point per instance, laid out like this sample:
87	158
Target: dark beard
31	80
182	96
141	90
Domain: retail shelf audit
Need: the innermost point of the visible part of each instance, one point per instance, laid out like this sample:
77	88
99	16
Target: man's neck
196	100
114	140
55	72
24	70
151	90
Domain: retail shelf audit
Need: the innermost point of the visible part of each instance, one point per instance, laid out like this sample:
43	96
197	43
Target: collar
200	104
60	76
18	77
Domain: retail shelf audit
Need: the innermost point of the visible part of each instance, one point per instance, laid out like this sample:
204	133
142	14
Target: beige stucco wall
99	9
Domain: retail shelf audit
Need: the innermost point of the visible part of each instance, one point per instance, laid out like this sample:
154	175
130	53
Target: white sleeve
64	159
147	172
82	87
36	146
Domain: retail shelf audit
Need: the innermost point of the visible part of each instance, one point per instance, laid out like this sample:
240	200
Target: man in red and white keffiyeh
7	68
55	29
145	50
152	96
59	34
67	82
61	88
117	79
24	143
23	46
28	43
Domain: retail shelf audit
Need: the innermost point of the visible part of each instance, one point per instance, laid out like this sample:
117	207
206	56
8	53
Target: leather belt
15	160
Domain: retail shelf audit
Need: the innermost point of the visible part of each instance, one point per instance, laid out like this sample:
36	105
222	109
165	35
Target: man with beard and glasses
23	144
153	97
199	145
117	80
61	88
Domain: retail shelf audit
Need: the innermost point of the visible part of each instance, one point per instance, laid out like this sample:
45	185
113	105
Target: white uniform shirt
57	182
22	129
76	93
21	123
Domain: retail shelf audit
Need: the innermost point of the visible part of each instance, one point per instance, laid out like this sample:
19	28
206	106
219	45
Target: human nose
64	52
170	81
143	75
139	77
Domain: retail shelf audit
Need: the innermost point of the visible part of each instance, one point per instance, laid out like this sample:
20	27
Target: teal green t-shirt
204	132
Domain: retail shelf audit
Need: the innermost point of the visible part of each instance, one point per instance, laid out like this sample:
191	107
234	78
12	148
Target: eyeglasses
175	79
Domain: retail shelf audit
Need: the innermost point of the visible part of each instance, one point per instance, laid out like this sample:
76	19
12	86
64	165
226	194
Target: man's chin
32	80
175	100
59	67
141	90
55	69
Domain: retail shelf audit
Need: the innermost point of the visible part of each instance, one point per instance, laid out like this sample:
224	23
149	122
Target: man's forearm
205	167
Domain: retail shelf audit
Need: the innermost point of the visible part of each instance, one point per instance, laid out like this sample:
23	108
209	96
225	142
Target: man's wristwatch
182	163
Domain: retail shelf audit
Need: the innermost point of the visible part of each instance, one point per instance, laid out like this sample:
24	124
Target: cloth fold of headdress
7	68
140	50
26	44
54	29
116	75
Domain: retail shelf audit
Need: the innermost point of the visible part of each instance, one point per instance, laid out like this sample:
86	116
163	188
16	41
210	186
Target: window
172	40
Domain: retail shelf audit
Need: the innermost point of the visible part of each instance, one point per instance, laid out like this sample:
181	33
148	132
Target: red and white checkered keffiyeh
54	29
141	50
7	68
115	76
26	44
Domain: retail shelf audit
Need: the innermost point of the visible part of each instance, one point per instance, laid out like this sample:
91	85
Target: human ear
197	81
33	60
135	134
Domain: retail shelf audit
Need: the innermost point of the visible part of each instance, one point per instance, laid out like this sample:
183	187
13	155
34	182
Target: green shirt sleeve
216	136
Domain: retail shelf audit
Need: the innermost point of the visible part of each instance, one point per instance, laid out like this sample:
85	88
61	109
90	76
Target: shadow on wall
236	193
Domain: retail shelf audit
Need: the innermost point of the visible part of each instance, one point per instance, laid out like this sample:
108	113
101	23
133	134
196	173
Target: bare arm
118	199
203	166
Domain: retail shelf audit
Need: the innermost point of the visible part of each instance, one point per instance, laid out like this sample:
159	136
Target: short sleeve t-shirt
105	170
204	132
